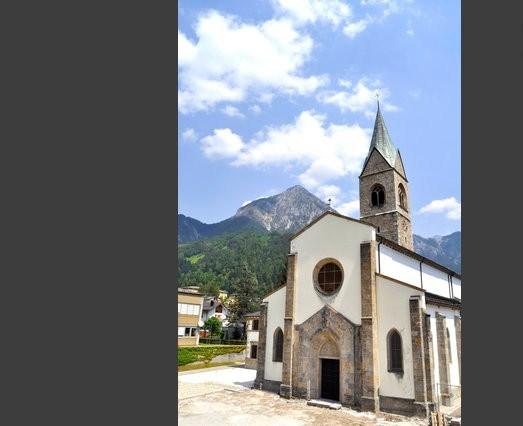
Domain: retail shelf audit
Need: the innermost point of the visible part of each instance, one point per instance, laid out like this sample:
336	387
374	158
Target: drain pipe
379	257
421	272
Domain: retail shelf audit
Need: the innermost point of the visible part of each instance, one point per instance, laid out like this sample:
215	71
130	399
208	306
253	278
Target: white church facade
362	318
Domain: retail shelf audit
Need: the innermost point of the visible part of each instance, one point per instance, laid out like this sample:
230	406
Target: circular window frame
316	271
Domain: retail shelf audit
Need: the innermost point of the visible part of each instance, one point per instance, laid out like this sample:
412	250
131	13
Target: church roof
381	140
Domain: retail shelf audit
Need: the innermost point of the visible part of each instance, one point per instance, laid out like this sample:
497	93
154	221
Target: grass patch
205	353
190	367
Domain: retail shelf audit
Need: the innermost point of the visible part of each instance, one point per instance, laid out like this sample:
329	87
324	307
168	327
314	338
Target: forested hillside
211	263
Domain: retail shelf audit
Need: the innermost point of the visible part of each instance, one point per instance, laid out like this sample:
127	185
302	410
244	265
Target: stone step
324	403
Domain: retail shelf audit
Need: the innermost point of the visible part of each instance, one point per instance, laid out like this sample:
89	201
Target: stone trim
417	322
387	212
429	360
444	373
437	300
457	325
403	406
262	343
288	331
396	281
268	385
369	329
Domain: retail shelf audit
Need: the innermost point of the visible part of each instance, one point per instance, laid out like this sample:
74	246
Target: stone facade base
285	391
370	404
405	407
251	363
268	385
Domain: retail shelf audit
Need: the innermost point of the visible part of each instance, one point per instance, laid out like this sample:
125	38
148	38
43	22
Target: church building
363	319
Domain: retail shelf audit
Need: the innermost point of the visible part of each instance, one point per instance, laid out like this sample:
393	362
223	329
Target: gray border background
492	119
90	207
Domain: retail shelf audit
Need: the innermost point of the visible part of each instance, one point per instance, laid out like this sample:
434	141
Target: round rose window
328	277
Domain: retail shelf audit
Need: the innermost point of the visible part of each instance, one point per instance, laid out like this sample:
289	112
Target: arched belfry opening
377	197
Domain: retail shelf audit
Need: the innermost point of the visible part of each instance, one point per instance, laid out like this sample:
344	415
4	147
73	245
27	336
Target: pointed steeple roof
381	140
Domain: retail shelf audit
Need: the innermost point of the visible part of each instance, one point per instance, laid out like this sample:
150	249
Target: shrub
190	354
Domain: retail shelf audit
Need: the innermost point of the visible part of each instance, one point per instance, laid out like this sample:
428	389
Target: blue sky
274	93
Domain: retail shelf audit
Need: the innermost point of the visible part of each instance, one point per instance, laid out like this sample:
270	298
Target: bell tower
384	191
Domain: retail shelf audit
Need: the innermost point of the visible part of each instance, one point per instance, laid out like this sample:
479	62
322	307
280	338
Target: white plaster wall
394	312
275	315
435	281
456	287
340	239
397	265
449	322
252	336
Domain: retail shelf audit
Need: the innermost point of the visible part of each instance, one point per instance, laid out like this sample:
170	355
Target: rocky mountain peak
284	212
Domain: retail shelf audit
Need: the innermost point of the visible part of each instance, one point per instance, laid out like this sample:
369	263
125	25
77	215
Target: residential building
252	321
189	316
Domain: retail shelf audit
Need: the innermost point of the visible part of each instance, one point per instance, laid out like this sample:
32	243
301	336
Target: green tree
244	298
213	325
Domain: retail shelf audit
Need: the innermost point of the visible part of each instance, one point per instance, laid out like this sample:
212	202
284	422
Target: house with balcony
190	303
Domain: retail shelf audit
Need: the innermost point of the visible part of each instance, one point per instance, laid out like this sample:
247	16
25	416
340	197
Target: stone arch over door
327	334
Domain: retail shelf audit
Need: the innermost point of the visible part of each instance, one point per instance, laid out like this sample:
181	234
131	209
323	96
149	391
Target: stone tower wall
392	219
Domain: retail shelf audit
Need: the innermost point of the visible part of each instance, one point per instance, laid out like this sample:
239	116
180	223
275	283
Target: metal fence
212	341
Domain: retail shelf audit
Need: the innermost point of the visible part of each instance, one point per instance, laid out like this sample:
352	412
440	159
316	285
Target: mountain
292	209
445	250
284	213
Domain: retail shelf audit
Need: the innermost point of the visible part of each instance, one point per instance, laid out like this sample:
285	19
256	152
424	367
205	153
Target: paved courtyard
224	393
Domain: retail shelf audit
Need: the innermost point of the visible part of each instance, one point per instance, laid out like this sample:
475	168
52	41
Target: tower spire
381	139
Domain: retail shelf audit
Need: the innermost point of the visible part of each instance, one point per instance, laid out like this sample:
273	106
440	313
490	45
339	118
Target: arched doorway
329	358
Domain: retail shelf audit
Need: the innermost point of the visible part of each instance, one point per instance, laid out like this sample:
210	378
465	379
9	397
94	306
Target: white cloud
388	7
450	206
324	151
361	98
410	32
345	83
312	11
232	111
351	208
325	192
352	29
189	135
229	60
255	108
222	144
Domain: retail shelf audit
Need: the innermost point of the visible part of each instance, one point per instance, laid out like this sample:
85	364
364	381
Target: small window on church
328	276
402	195
395	355
377	196
277	346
